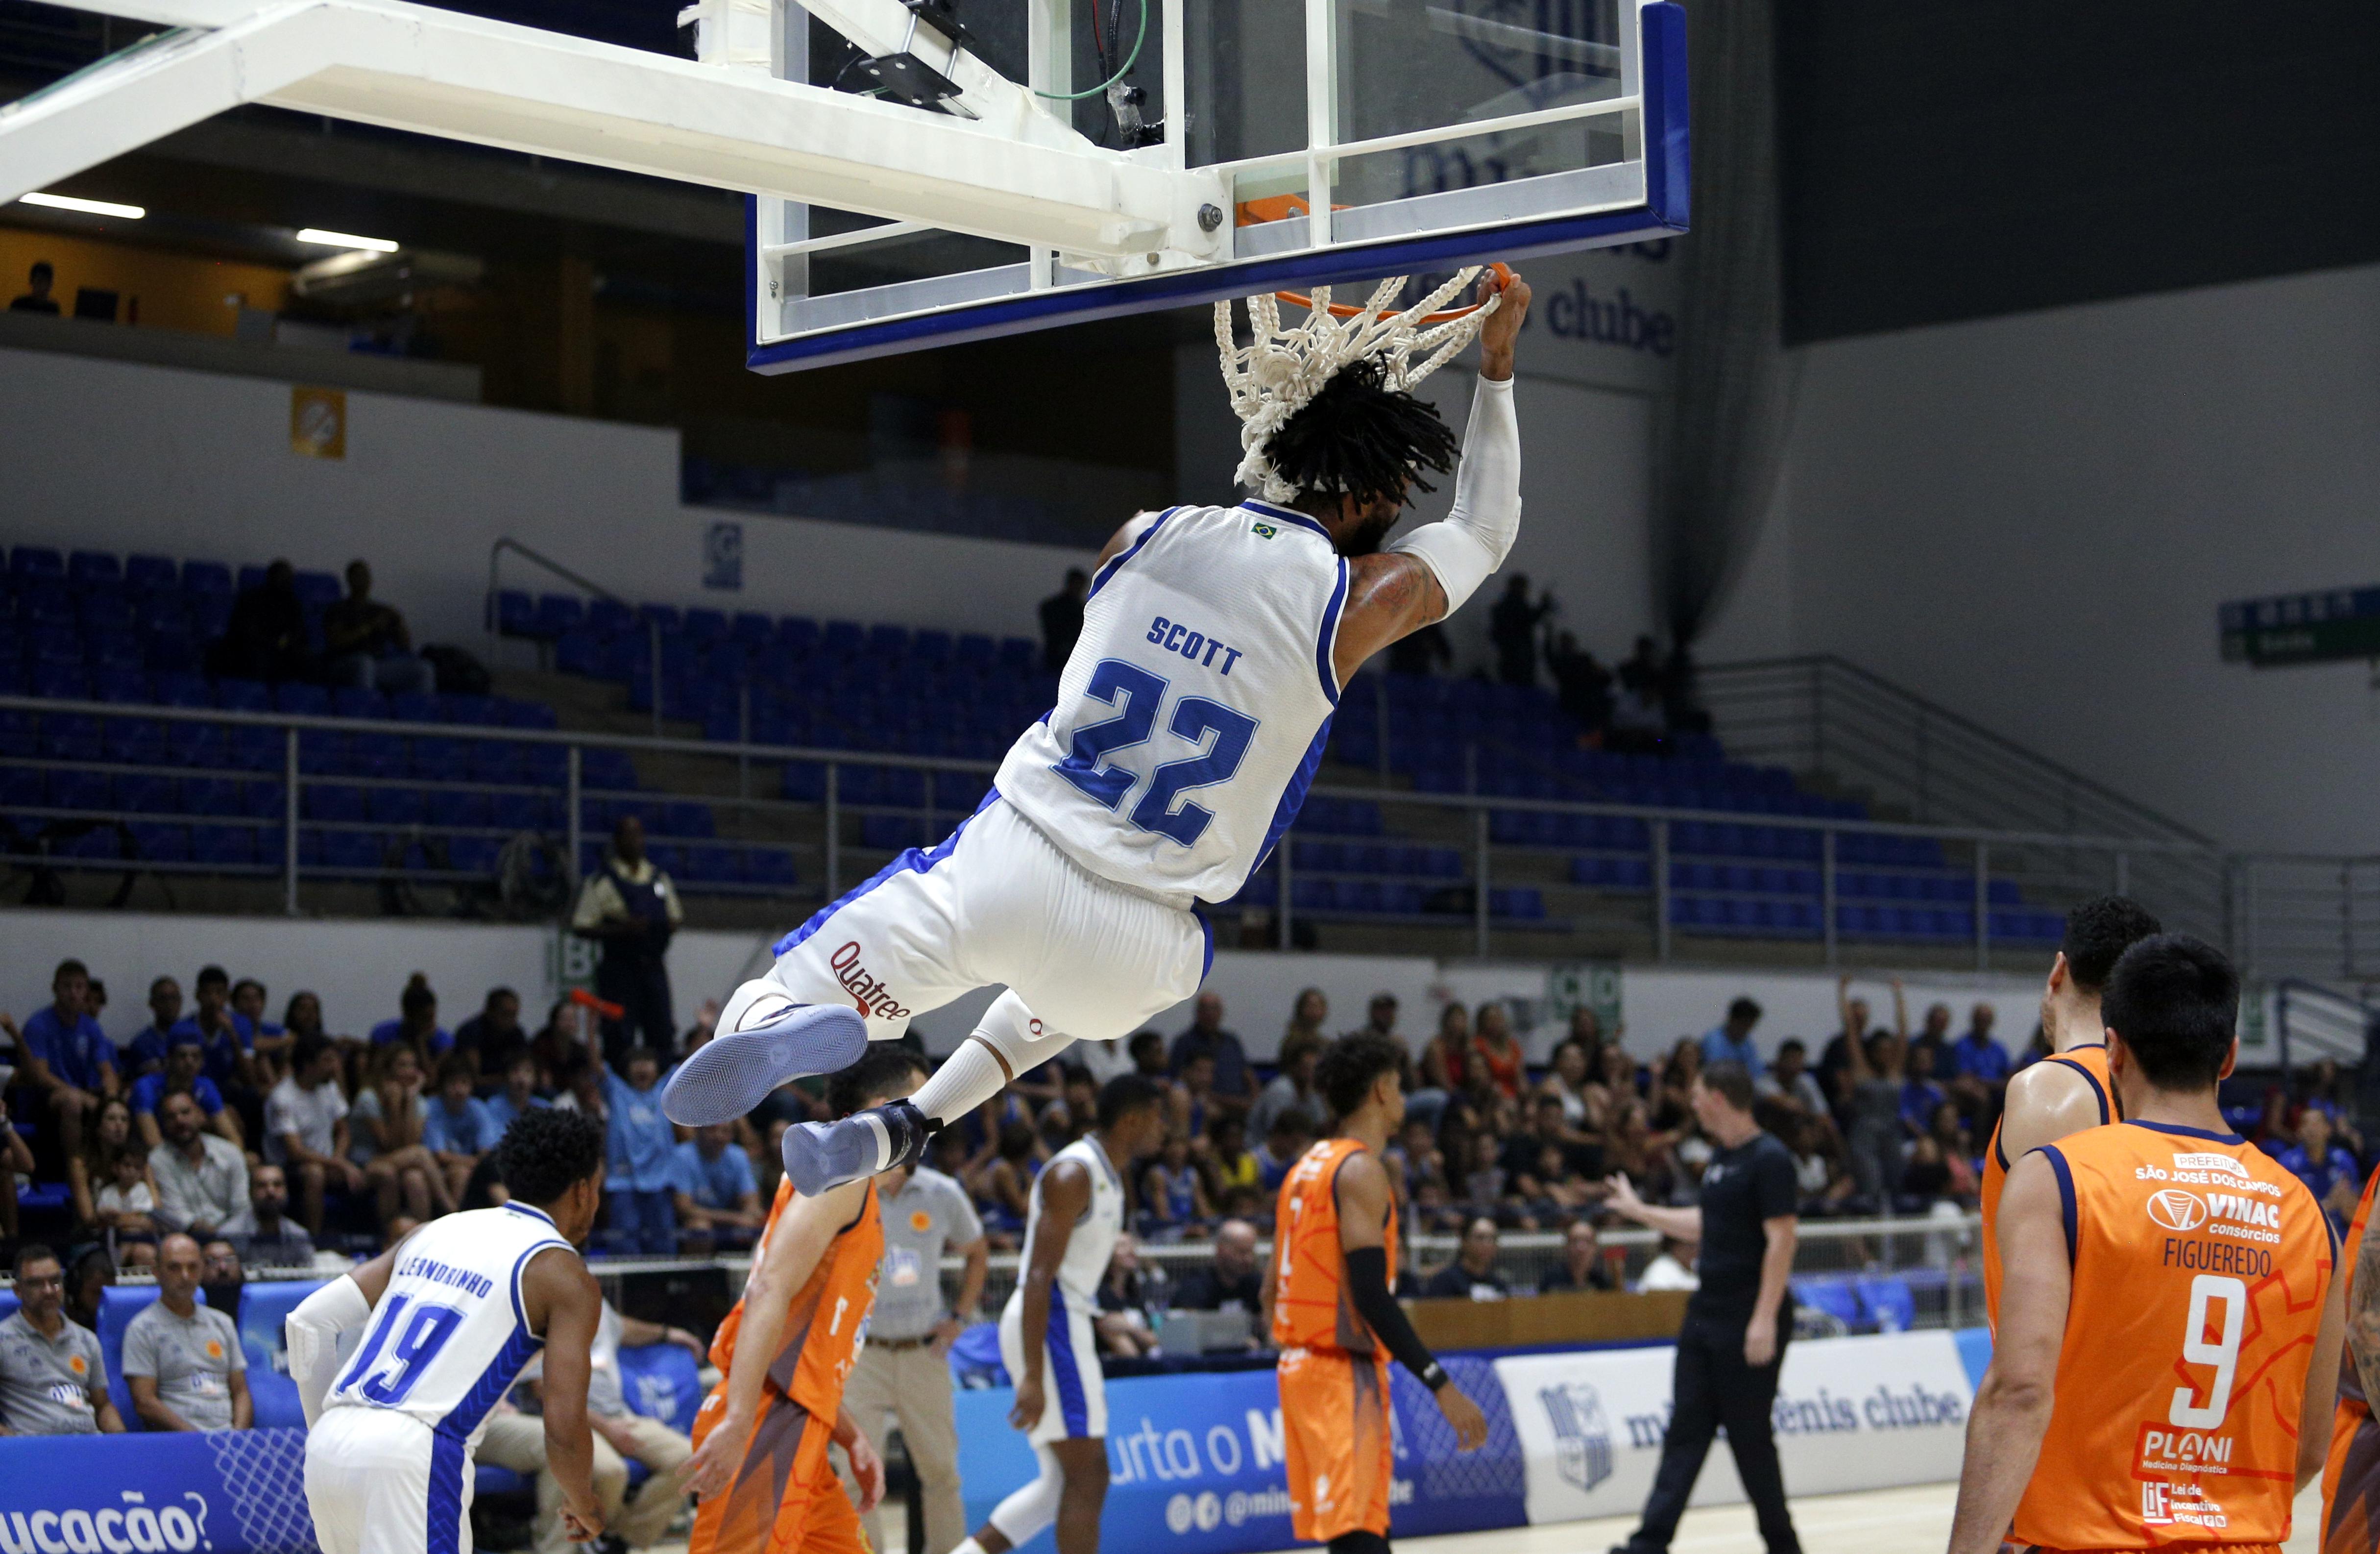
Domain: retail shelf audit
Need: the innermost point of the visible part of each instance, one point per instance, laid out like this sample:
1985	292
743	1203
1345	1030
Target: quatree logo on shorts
875	1000
2176	1210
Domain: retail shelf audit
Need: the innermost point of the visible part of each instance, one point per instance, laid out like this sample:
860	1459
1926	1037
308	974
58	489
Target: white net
264	1478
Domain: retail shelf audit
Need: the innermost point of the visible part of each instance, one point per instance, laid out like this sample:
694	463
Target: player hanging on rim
1189	722
1046	1336
451	1315
1328	1309
2170	1325
2068	1091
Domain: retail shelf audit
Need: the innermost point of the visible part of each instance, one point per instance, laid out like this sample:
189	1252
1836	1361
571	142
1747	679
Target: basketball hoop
1347	309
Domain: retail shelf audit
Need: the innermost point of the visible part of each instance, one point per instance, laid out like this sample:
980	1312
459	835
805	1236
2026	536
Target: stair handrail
653	626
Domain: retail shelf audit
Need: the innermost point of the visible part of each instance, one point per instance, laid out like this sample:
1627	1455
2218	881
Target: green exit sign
2302	628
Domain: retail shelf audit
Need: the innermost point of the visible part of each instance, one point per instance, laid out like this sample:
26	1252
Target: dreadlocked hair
1358	437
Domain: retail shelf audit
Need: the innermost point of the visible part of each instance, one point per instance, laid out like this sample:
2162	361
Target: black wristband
1434	1376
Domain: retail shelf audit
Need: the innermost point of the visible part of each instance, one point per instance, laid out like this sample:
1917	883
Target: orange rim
1345	309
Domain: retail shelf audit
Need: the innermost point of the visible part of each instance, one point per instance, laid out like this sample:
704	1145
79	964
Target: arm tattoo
2364	1316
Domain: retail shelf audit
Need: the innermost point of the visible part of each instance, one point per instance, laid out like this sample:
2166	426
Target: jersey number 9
2223	1355
426	1333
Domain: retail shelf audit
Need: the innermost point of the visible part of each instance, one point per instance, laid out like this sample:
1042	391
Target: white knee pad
755	1003
1022	1516
1011	1029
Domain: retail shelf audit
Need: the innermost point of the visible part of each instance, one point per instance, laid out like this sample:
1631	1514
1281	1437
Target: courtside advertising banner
1852	1413
219	1492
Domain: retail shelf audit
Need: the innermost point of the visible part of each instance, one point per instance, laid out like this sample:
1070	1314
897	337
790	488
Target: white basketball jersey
1093	1243
1193	712
449	1335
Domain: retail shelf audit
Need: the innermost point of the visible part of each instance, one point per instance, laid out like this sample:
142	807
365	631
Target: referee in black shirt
1733	1341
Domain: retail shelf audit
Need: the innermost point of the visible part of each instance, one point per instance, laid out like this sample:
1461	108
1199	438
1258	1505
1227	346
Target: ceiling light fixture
346	240
88	207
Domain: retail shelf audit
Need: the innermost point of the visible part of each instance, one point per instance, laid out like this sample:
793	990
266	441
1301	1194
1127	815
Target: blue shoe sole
729	1075
821	1157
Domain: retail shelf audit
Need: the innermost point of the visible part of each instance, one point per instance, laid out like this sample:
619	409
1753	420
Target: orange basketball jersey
2199	1271
2350	1475
1311	1308
2091	1062
827	1316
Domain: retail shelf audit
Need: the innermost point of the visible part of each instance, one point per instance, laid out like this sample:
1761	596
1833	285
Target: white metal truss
1003	169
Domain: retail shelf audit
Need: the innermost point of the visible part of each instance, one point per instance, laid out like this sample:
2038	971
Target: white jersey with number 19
1192	715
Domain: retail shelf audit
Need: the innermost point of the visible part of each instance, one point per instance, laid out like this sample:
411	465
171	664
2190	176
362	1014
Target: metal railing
2313	1021
495	627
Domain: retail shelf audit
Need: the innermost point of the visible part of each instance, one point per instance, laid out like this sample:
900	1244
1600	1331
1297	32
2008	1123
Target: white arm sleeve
312	1331
1464	547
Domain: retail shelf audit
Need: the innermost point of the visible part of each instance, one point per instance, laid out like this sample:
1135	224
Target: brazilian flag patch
1267	531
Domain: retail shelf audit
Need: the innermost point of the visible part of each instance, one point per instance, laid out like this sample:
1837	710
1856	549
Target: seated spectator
365	641
306	1128
1147	1052
266	638
1190	1101
1472	1276
457	1129
1549	1129
622	1435
520	1092
53	1376
714	1192
1958	1150
64	1055
87	1168
2324	1092
1004	1188
1121	1323
1975	1056
385	1137
16	1160
272	1239
1495	1052
2329	1171
186	1060
1232	1281
1172	1195
1566	1083
1290	1136
1924	1173
128	1208
642	1152
563	1040
36	298
1934	1034
1230	1165
416	1022
1616	1078
1583	1268
492	1037
1554	1186
1672	1267
272	1041
1920	1096
1292	1087
1730	1040
1446	1066
202	1179
222	1276
1306	1018
228	1039
88	1281
1819	1176
1234	1081
145	1054
1788	1079
183	1360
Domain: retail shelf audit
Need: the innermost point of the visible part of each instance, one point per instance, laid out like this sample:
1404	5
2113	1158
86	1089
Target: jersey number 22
1142	696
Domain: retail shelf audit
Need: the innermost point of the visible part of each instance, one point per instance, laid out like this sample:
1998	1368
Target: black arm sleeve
1367	1286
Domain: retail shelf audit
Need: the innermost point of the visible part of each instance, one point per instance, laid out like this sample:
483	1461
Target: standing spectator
65	1055
1494	1052
1235	1084
491	1038
365	641
266	638
36	298
183	1360
53	1376
642	1150
384	1134
306	1128
1061	627
201	1179
1730	1040
1874	1138
145	1053
1583	686
186	1059
458	1129
631	907
1512	627
904	1370
1472	1276
1835	1061
1231	1282
1584	1266
714	1192
1733	1345
519	1093
1292	1087
2329	1171
416	1022
274	1241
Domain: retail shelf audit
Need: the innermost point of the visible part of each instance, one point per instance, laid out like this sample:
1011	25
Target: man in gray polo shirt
904	1370
182	1360
52	1379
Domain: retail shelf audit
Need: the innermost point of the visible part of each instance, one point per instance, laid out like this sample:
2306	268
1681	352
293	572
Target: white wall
128	457
2032	520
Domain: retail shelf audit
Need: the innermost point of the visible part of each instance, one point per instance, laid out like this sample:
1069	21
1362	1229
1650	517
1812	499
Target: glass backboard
1427	134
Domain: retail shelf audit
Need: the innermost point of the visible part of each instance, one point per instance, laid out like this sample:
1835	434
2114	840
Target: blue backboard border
1665	213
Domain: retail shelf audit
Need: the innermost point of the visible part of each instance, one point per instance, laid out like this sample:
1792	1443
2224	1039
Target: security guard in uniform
631	907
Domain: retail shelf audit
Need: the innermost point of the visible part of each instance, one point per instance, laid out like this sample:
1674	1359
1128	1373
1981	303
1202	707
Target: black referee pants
1713	1388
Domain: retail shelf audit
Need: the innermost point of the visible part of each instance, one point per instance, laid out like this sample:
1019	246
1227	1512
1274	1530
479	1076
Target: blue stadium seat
316	589
661	1381
770	866
151	572
843	639
516	613
799	635
148	795
35	562
264	800
447	807
300	698
71	790
206	577
394	806
1887	1302
557	613
226	845
1837	1298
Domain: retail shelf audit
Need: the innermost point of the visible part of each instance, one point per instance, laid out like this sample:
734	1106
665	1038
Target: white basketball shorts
997	904
380	1482
1074	1389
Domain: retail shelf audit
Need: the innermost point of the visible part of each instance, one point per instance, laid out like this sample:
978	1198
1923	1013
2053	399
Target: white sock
967	1546
968	1078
